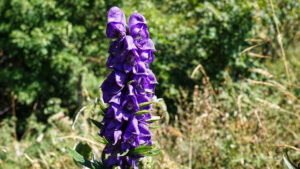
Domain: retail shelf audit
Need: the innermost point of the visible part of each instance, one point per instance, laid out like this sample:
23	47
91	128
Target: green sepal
126	152
129	83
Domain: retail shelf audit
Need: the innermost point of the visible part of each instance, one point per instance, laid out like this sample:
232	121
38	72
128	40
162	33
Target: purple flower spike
130	84
116	23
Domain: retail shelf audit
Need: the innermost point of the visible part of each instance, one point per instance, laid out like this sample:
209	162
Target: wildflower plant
128	94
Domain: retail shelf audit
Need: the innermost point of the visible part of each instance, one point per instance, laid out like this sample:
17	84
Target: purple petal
113	161
130	60
116	23
139	32
117	136
148	45
115	14
115	30
131	129
120	78
140	68
138	27
151	77
136	18
112	86
116	53
146	56
128	43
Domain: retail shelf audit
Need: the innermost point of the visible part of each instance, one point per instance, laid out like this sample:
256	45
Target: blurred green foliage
54	50
47	46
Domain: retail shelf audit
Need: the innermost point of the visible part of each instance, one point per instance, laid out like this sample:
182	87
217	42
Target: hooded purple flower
130	84
138	27
116	23
112	87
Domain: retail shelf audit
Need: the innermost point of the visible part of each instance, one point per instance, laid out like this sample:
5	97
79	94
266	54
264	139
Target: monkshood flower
116	23
130	85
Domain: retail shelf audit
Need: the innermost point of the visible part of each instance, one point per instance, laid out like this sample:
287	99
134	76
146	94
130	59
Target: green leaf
145	104
146	150
101	112
104	141
153	119
153	152
102	105
142	149
141	112
155	127
83	149
79	158
96	123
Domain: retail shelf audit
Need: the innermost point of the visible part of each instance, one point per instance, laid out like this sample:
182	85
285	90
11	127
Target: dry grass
240	131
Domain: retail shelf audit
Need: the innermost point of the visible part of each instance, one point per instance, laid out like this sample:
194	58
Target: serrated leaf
96	123
79	158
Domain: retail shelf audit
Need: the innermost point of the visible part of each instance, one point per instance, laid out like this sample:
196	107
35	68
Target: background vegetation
227	70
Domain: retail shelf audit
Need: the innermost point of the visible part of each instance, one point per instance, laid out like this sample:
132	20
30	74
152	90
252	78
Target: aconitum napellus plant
128	90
